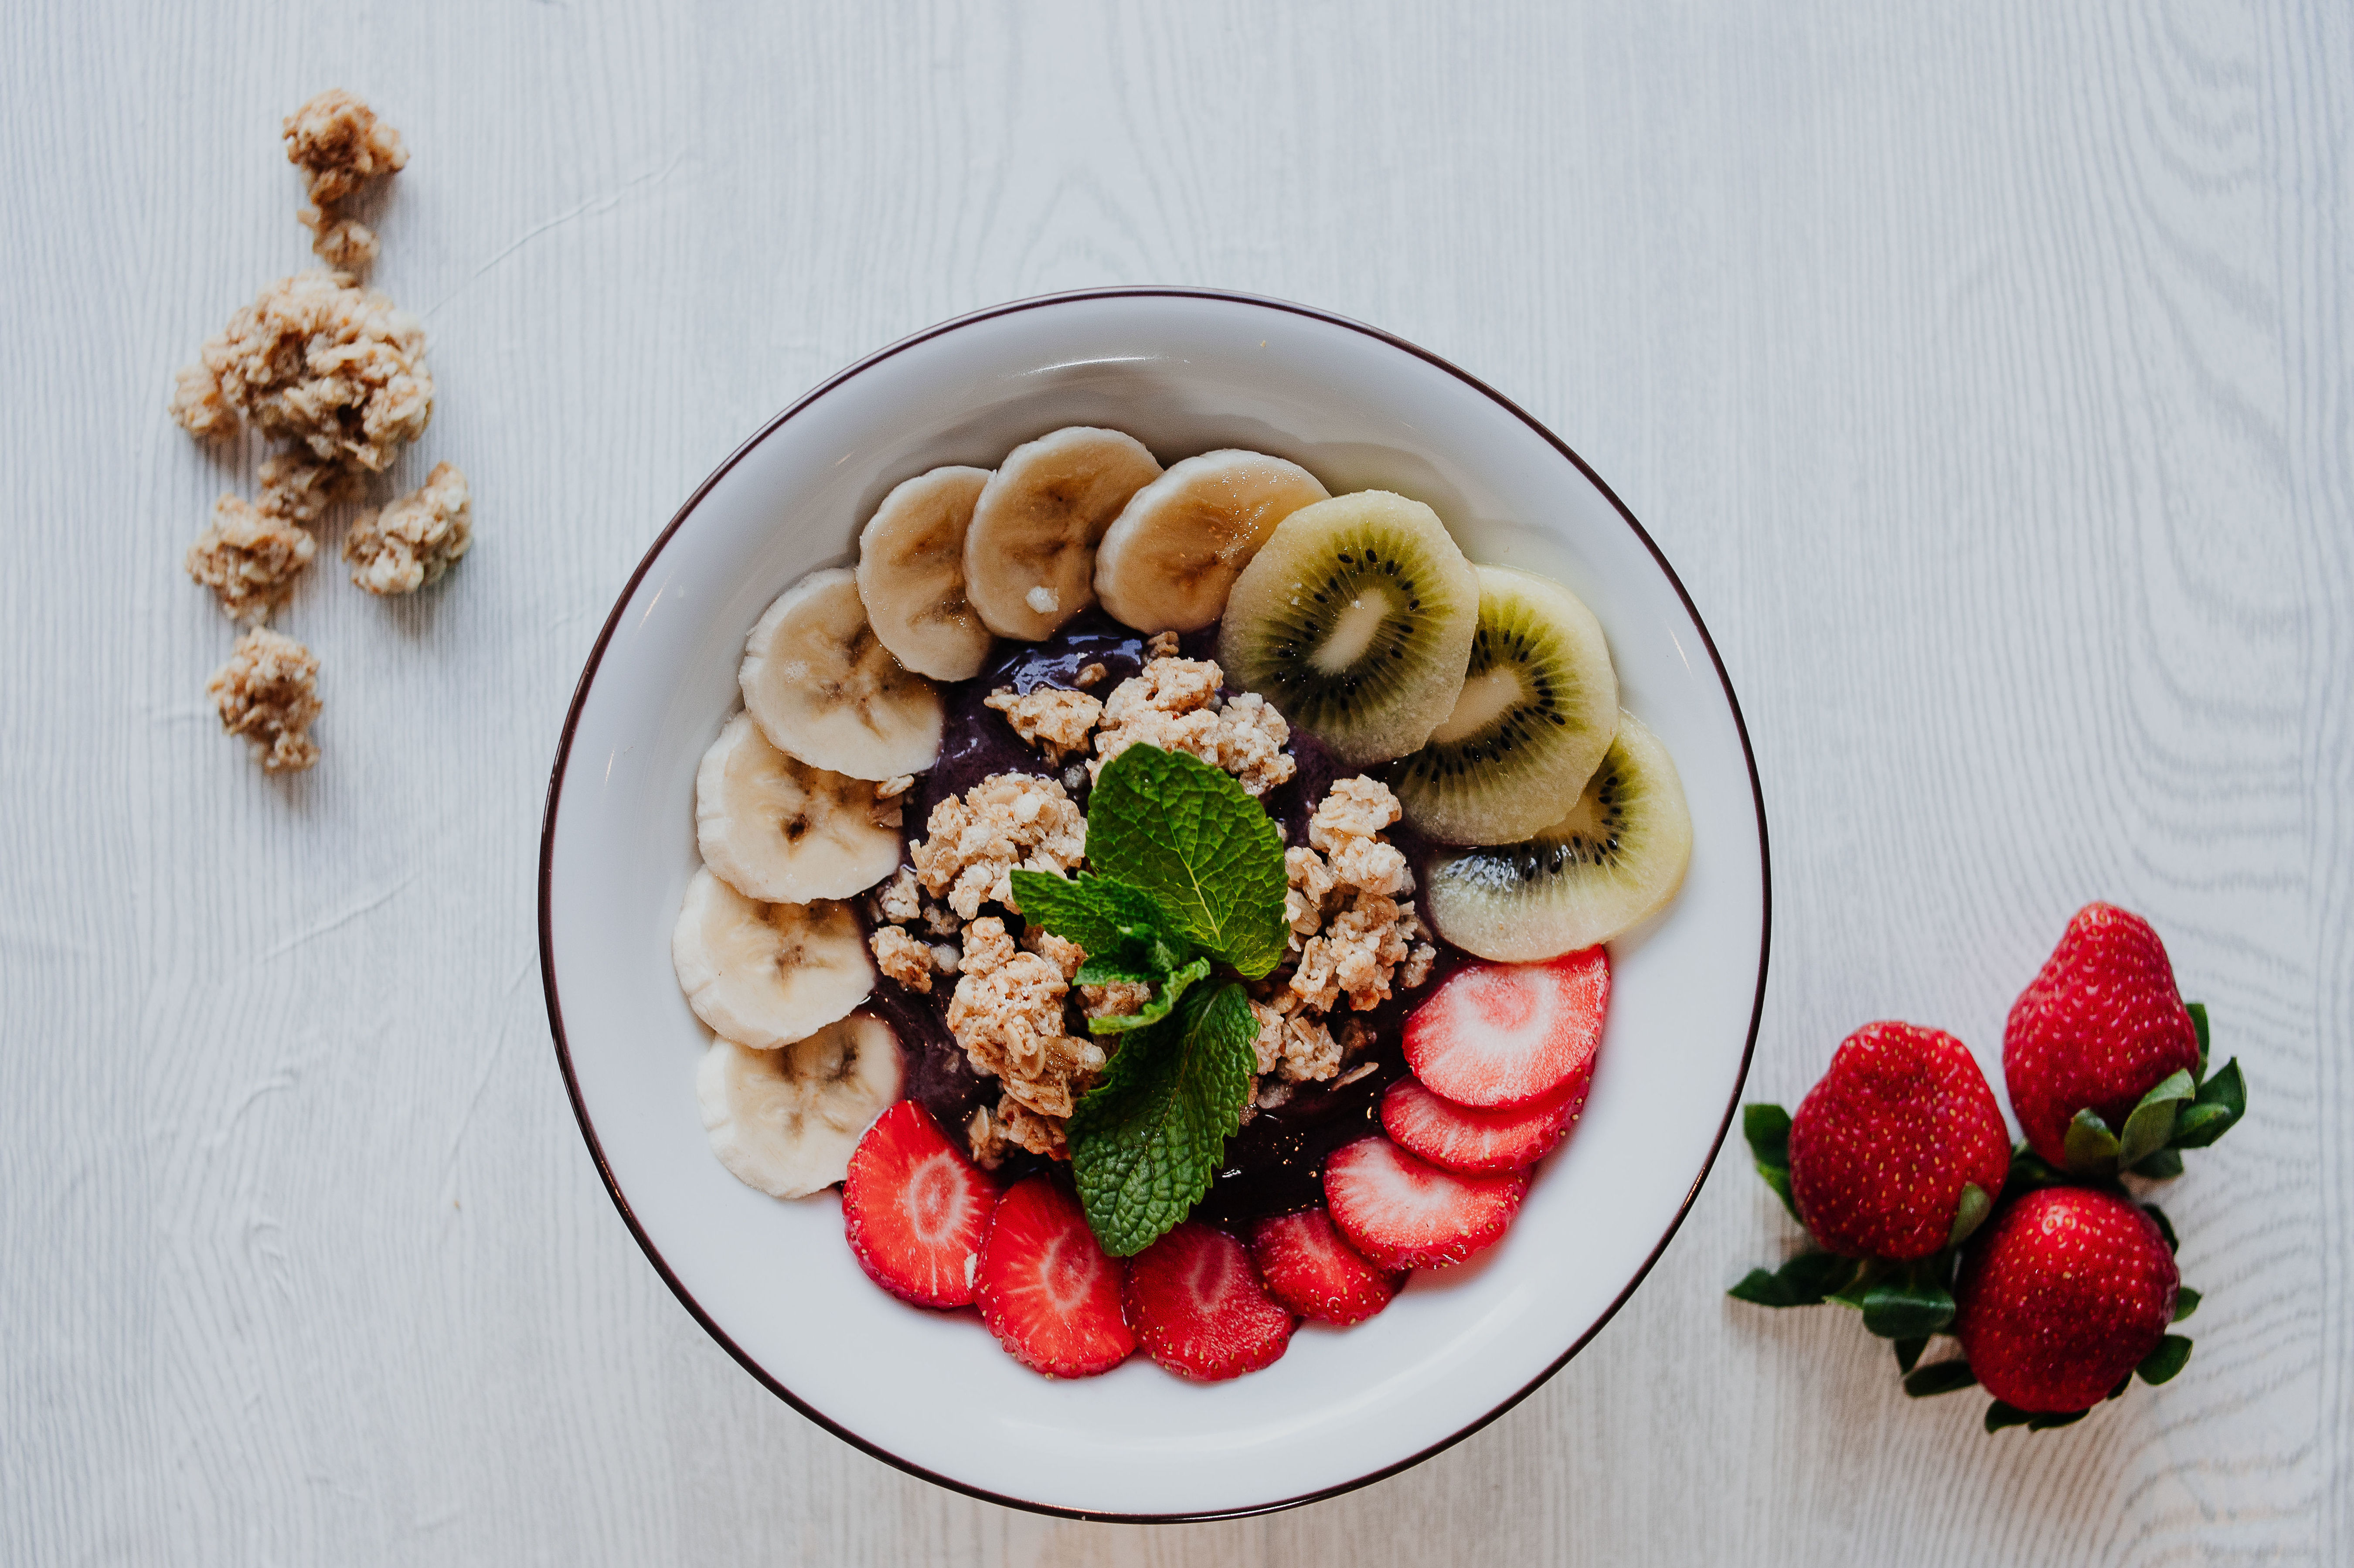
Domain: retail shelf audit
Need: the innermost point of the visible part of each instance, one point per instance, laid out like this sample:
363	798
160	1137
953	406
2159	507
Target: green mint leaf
2186	1302
1189	835
2198	1011
1103	914
1939	1377
1908	1353
2092	1147
1146	1141
1128	936
1970	1214
1168	986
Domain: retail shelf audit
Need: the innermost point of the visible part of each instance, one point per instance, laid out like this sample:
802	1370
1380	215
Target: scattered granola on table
340	145
319	360
269	692
249	559
414	540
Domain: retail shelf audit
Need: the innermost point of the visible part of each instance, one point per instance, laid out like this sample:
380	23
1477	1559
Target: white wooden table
1982	370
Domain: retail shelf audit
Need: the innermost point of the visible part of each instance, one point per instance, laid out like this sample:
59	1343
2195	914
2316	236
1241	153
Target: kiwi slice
1539	704
1618	857
1355	621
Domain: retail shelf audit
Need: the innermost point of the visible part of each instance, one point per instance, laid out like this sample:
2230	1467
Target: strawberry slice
1310	1269
1475	1142
1046	1290
1404	1213
1505	1035
1196	1304
916	1210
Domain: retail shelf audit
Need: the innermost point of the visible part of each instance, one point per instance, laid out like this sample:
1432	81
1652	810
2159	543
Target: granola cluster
340	145
269	692
1056	720
249	558
978	838
318	360
1008	1014
412	542
1350	933
1351	939
1174	704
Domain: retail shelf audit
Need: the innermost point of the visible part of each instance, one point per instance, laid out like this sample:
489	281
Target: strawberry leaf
2163	1363
2151	1122
2030	1172
2091	1148
2186	1302
1908	1352
1767	1129
1939	1377
2165	1225
1898	1310
1999	1415
2223	1101
2043	1421
2197	1011
1807	1281
2162	1166
1970	1214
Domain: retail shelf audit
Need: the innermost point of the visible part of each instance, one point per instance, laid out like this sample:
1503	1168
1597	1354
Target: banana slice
1030	554
761	974
824	688
774	827
911	574
1176	548
786	1121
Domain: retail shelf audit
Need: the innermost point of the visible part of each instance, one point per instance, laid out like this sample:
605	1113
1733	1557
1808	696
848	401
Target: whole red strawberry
1883	1146
2061	1295
2099	1027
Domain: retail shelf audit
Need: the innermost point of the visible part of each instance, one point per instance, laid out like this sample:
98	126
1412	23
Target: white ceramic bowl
1186	372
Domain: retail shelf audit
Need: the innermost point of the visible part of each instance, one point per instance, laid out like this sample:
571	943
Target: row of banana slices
796	802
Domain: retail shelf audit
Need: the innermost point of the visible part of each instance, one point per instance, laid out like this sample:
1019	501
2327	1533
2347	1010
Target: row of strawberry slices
1501	1055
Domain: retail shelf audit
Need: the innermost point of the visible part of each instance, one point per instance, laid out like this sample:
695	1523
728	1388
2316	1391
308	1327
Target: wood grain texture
1984	371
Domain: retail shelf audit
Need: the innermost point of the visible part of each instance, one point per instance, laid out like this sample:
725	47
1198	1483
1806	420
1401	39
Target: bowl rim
595	663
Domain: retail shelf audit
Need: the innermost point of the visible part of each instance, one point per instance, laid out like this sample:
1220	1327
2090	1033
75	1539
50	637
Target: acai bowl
1182	374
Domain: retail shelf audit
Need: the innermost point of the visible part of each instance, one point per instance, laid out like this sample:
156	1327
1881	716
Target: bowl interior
1185	374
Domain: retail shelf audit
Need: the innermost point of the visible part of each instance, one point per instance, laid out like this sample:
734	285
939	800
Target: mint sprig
1185	832
1188	874
1128	936
1147	1139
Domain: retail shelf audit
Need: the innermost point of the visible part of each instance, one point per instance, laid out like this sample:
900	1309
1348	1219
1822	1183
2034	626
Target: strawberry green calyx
1766	1127
2186	1109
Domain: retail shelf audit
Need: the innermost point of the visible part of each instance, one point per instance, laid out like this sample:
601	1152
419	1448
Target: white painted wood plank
1982	371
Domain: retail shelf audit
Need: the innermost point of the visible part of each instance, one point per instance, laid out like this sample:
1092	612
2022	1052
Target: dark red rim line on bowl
564	755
